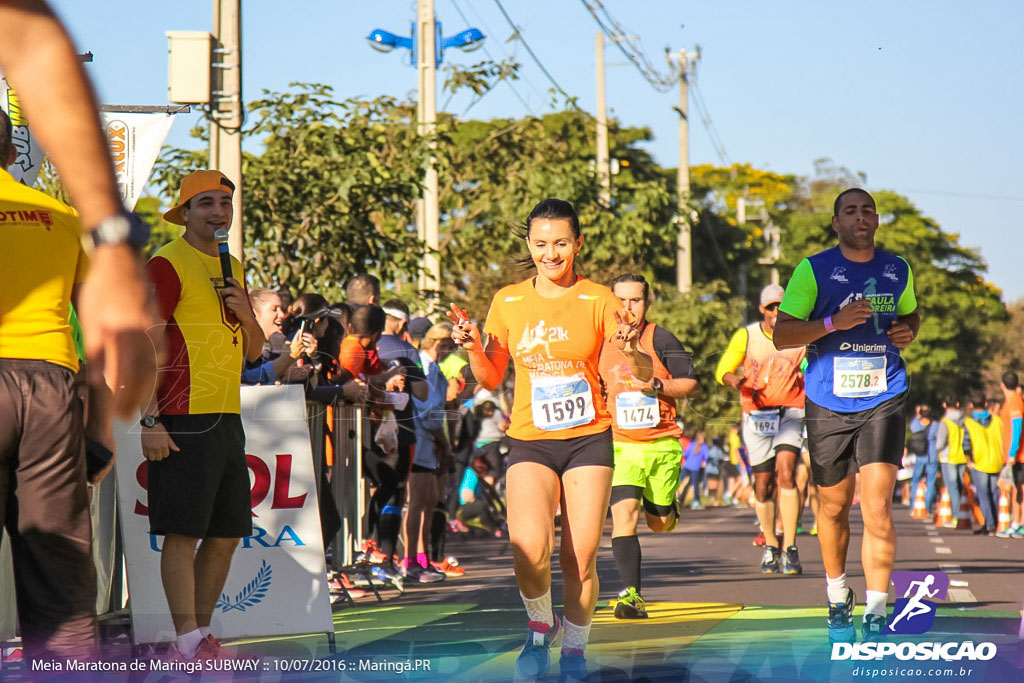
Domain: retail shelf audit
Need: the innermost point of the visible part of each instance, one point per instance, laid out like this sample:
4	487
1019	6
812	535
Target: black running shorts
1018	473
202	490
841	443
564	454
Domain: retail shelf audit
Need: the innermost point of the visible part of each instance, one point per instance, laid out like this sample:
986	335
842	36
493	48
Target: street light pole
226	108
428	210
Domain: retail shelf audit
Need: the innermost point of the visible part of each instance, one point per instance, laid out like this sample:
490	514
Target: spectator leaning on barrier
44	504
389	497
192	430
276	364
431	453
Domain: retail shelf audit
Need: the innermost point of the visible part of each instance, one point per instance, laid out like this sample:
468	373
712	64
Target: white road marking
943	550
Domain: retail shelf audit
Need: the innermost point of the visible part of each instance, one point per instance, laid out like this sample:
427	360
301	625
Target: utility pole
684	249
603	167
428	210
226	107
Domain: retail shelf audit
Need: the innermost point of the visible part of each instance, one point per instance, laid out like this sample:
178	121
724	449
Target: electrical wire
490	57
571	101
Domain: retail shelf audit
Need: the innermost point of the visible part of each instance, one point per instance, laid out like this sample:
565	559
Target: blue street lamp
385	41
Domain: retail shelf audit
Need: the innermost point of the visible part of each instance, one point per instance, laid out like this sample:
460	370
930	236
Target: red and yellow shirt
555	345
41	259
202	372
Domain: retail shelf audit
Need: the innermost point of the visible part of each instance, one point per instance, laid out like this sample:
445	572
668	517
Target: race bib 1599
561	402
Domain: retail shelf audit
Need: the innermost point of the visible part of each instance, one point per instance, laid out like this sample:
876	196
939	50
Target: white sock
574	638
836	588
188	642
875	602
539	609
204	631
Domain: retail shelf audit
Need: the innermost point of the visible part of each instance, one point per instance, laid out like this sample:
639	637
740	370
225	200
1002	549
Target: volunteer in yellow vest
949	443
985	437
192	429
645	438
44	504
771	388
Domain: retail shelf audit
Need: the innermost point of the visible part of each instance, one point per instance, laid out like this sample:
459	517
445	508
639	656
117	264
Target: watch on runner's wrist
123	228
657	385
149	421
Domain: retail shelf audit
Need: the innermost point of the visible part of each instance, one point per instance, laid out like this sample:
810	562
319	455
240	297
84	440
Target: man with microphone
192	429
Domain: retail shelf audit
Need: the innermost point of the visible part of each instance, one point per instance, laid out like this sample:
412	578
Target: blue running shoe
840	620
873	629
535	660
572	668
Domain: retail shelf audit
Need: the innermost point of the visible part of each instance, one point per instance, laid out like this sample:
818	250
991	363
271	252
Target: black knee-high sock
389	527
438	527
626	550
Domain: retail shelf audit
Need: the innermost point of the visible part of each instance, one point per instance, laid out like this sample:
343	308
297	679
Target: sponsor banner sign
30	155
135	140
278	579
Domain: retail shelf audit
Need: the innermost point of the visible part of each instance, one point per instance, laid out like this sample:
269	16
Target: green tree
332	192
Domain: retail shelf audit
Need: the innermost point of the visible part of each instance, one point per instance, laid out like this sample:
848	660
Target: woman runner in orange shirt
552	326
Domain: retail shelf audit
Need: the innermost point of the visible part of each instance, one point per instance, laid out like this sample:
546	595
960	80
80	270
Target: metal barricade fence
348	429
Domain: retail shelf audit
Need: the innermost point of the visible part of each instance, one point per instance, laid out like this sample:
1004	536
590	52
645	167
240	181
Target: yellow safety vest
986	445
956	454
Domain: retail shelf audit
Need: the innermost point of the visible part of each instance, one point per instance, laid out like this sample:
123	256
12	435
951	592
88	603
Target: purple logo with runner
914	612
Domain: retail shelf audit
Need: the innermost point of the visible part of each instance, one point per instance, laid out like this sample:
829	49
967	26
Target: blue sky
923	96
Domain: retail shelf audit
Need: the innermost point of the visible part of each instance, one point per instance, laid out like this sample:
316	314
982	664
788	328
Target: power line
519	36
709	125
491	57
635	54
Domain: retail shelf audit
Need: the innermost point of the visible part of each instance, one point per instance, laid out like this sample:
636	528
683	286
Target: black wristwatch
149	421
657	385
123	228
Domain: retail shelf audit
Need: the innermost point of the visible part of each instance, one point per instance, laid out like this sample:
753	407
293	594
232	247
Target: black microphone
225	256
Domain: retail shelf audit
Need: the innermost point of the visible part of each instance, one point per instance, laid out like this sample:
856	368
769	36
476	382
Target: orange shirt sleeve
352	356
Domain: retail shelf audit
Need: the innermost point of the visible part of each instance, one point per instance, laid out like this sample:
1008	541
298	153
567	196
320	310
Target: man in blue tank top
854	307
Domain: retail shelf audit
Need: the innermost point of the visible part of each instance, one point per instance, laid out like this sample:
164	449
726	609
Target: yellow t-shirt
555	345
203	370
41	259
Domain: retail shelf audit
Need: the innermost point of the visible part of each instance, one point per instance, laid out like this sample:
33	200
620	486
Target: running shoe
840	620
1017	533
209	649
790	561
449	569
759	539
800	529
630	605
695	505
950	525
770	560
1005	533
417	574
388	574
371	553
814	529
873	628
572	667
981	531
534	660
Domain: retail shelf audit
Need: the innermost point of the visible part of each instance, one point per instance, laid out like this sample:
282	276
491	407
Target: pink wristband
829	327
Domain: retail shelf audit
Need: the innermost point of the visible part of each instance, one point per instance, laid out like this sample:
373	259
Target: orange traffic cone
1005	519
944	512
920	510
